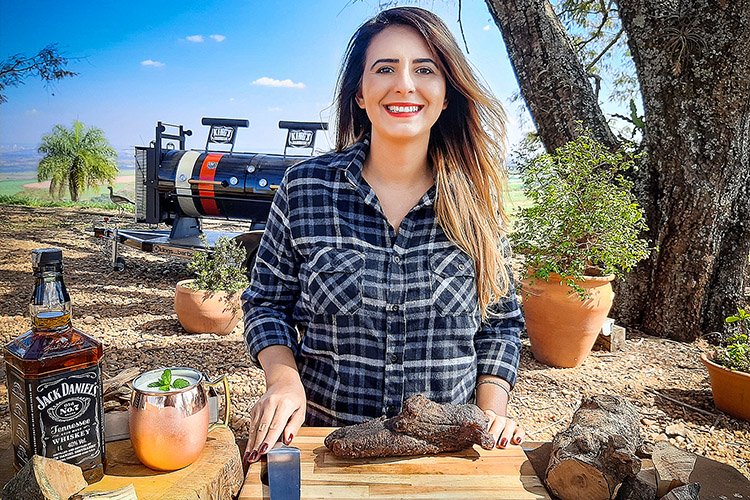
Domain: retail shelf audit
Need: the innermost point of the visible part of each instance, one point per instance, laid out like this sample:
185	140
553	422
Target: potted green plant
729	367
210	302
581	231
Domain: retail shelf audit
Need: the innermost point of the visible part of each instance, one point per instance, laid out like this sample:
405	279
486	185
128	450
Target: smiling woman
389	255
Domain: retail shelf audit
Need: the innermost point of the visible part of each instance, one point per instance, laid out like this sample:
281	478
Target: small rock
568	392
646	421
660	437
675	430
89	320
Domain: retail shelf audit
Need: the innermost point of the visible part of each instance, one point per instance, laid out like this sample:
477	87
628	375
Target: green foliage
77	158
735	352
221	269
584	219
165	382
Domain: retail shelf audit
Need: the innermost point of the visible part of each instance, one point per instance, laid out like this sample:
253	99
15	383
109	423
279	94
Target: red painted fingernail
516	440
253	456
263	448
291	436
246	457
503	442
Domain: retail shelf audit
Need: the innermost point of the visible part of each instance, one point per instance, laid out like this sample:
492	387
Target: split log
673	467
642	486
124	493
686	492
45	479
597	452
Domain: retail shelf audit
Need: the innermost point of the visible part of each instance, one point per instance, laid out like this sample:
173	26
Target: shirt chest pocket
335	282
453	283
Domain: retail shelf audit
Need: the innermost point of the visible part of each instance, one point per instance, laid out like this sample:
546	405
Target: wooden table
472	473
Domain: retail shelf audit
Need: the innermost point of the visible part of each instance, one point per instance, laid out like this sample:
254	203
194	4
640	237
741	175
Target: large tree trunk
553	82
693	65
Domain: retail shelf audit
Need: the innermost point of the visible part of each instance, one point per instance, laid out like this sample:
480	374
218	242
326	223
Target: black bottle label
62	418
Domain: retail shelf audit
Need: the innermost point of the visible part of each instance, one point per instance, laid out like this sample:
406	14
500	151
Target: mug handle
227	401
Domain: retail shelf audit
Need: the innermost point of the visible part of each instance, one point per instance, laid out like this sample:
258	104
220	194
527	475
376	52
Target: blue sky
141	61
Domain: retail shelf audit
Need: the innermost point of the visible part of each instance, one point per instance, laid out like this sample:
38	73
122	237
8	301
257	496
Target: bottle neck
50	306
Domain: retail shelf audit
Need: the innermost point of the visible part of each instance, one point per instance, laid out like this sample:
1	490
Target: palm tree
76	157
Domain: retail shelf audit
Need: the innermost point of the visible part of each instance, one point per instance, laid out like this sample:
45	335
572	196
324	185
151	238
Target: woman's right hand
279	413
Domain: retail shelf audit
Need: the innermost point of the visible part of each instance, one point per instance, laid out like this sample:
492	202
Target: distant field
17	187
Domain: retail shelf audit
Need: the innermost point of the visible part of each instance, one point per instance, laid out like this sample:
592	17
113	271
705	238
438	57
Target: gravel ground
131	313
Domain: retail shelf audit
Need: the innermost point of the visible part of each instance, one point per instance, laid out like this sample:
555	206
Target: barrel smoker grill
181	187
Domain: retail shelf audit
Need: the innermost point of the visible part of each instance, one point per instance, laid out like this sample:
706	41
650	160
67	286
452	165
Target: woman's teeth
402	109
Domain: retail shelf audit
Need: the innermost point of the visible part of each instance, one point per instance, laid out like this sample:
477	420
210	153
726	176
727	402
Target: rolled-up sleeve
498	342
268	303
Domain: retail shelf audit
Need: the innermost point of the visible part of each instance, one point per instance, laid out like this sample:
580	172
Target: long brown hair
466	150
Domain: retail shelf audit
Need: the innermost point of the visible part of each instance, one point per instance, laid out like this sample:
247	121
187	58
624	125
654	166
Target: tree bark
553	82
693	66
597	452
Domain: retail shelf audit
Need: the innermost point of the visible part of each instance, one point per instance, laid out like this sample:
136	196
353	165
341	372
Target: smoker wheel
119	265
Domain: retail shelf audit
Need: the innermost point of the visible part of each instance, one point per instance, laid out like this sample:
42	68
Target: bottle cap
46	257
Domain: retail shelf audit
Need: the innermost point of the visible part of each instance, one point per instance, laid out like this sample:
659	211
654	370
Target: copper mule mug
168	429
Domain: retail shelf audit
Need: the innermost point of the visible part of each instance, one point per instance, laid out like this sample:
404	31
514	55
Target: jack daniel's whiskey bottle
54	379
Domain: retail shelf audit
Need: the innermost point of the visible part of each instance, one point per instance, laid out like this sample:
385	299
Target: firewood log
642	486
45	479
685	492
124	493
593	456
673	467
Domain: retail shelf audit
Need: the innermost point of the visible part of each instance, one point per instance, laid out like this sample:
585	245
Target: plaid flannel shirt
372	316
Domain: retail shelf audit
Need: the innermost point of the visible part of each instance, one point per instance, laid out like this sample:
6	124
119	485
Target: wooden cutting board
472	473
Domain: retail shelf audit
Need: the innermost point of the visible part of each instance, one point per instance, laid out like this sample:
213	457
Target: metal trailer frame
186	235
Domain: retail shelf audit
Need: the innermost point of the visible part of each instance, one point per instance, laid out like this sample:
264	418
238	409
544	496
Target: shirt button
394	358
392	410
396	259
461	267
394	307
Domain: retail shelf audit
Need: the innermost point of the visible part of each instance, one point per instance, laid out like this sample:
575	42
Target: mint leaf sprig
165	382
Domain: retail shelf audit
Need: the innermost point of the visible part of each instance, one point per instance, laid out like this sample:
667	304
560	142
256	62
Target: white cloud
32	111
486	27
218	38
152	63
194	38
274	109
272	82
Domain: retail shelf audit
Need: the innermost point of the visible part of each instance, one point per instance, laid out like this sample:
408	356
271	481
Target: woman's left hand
504	429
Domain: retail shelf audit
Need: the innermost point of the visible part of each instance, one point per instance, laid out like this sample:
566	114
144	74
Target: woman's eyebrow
396	61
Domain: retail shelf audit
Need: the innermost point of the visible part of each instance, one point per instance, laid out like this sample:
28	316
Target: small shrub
584	219
735	351
222	269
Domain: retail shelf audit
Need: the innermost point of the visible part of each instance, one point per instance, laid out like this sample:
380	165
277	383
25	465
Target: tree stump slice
216	474
597	452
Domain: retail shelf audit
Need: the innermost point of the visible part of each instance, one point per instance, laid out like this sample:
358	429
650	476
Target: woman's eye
384	69
425	71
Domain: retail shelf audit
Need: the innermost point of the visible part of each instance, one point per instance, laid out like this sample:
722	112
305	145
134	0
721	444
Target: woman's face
403	90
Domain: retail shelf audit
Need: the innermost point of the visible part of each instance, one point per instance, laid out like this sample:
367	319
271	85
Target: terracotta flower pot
201	311
730	388
562	328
